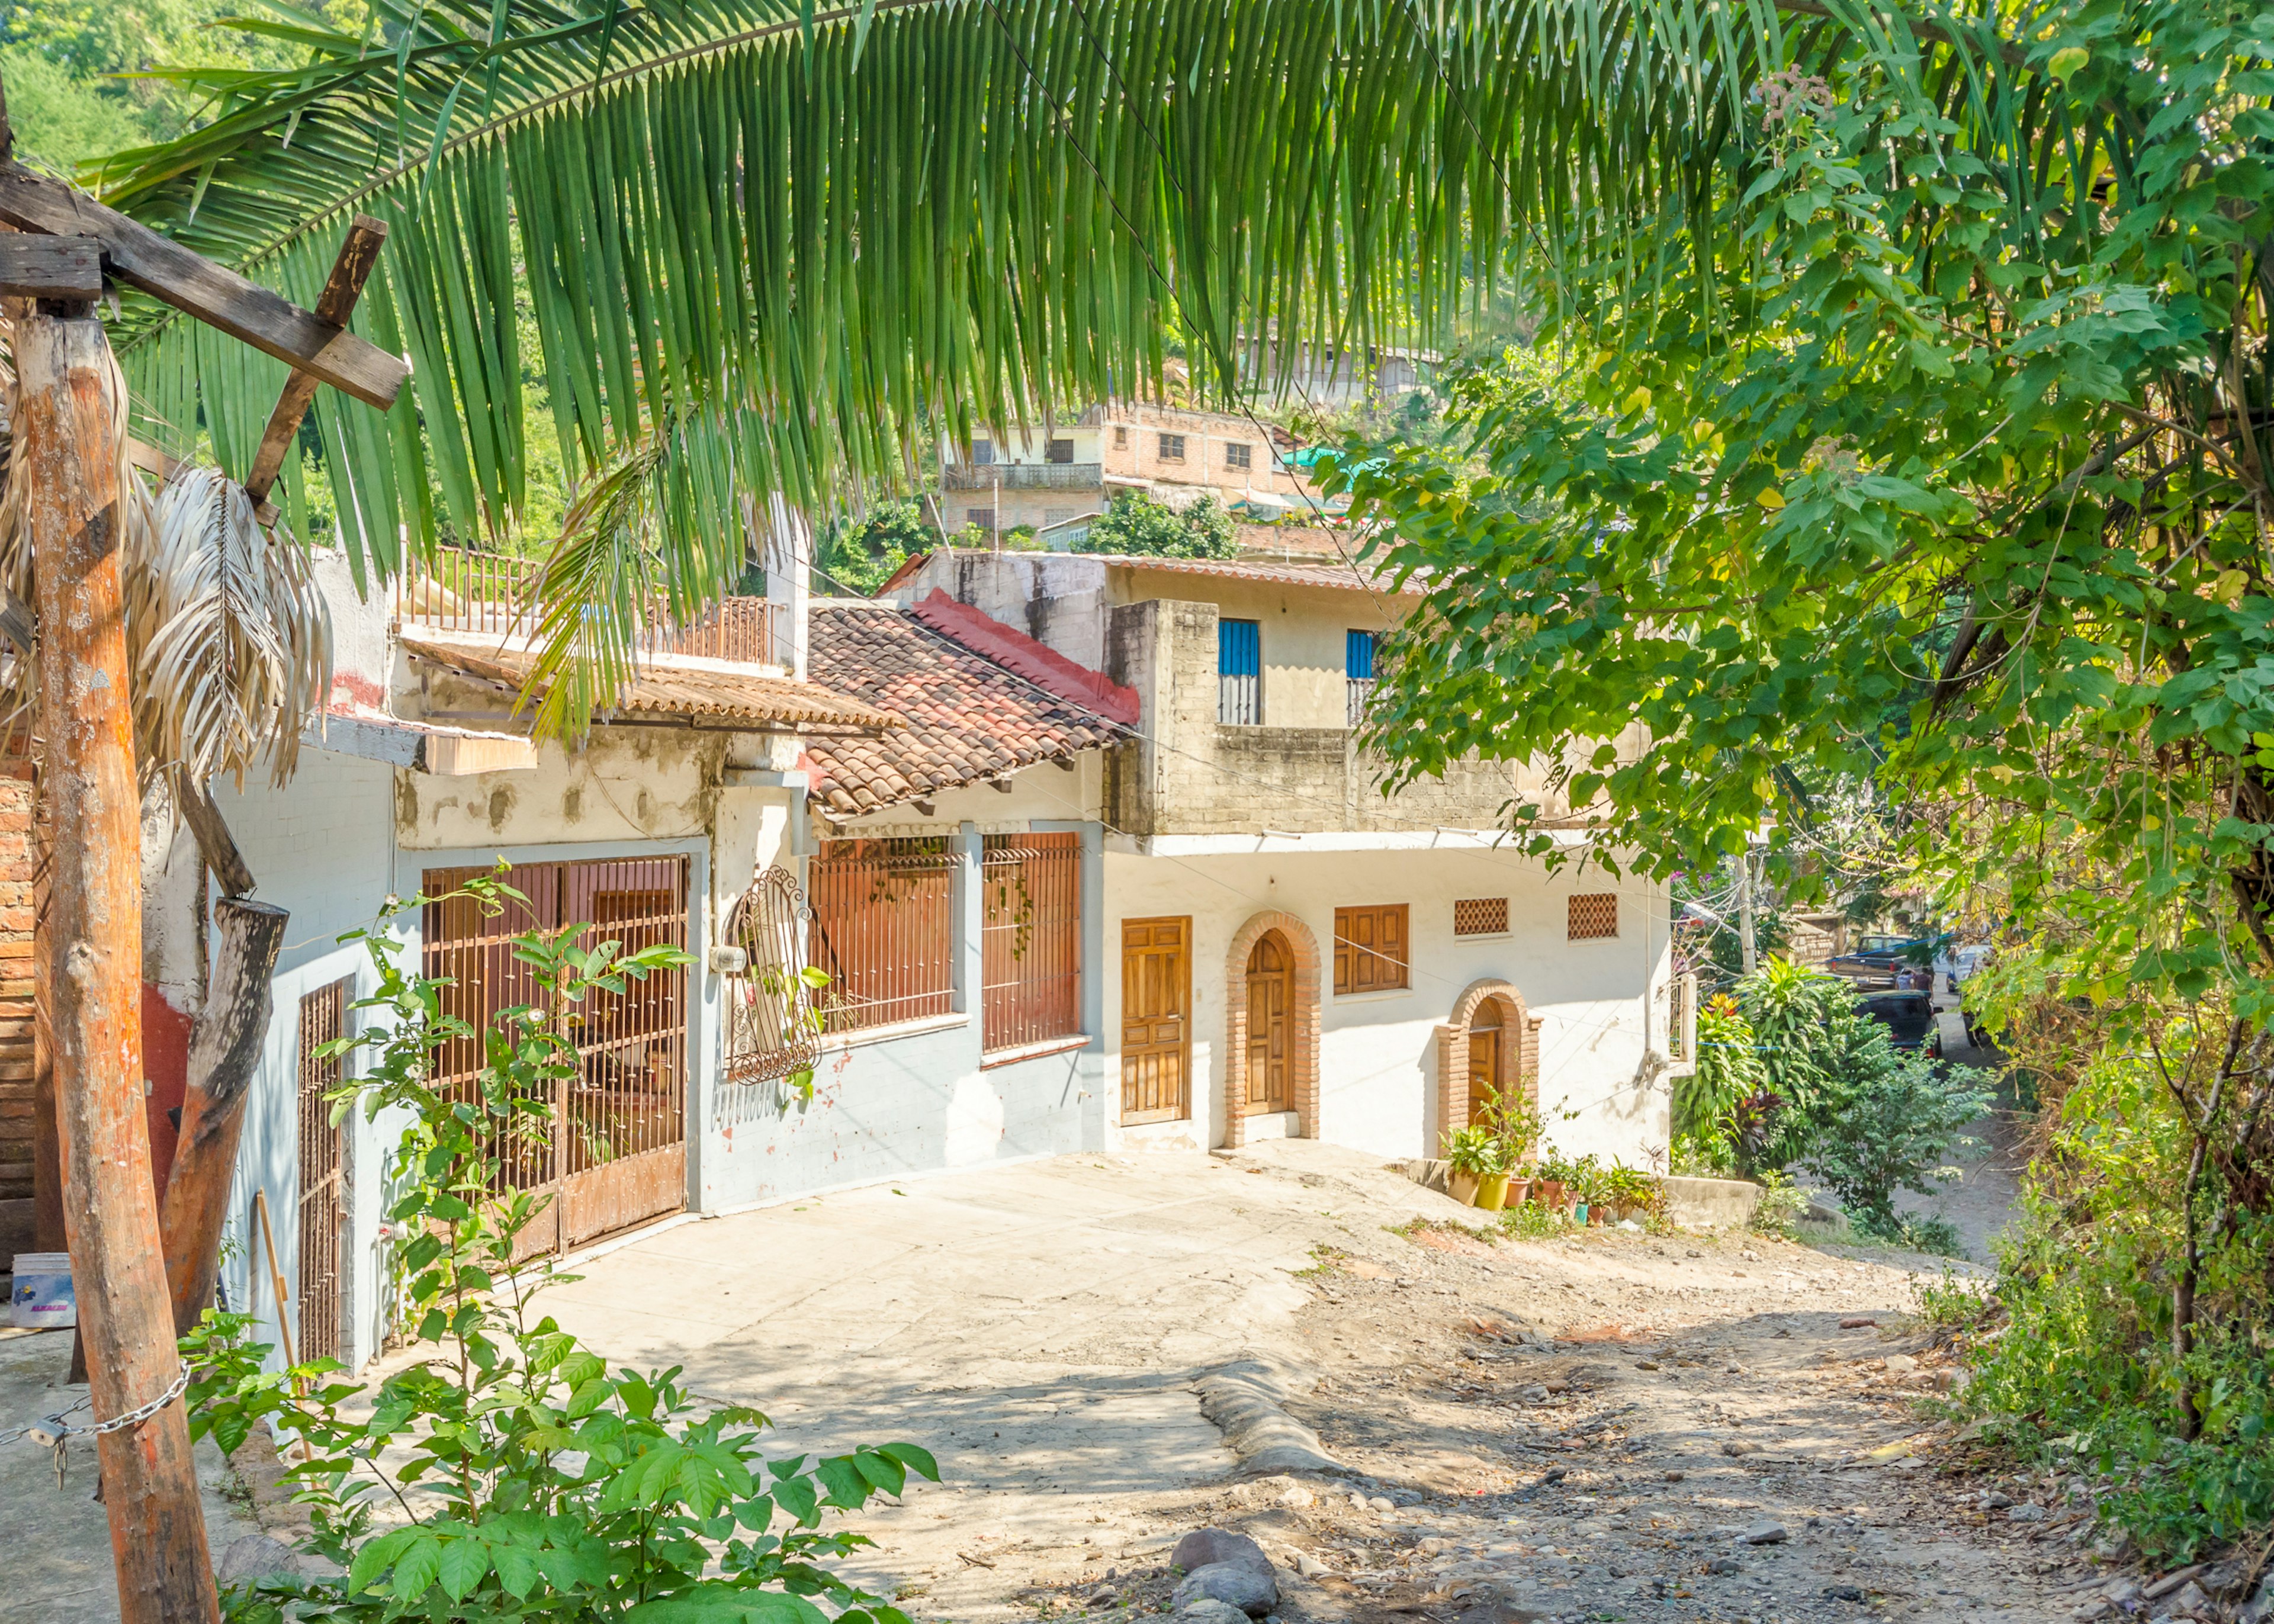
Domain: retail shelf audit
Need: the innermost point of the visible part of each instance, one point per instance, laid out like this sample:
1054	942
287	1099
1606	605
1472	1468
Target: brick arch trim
1453	1050
1303	1080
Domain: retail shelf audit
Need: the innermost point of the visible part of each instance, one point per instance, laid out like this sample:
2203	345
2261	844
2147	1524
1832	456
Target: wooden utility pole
66	457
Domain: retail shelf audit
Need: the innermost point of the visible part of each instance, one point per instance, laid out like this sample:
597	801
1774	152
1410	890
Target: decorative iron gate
323	1191
771	1026
617	1153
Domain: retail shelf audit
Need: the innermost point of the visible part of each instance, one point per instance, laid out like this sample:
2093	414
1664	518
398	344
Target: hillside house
1084	846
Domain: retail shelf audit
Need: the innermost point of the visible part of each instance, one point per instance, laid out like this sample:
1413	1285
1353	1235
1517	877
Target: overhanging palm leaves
824	234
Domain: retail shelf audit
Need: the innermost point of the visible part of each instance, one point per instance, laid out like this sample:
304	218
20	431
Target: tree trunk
67	457
224	1048
47	1143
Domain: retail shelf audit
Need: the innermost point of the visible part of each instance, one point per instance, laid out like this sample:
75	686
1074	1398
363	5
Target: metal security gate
617	1154
323	1193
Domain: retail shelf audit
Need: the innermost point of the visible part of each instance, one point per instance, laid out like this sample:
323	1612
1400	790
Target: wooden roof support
358	253
136	255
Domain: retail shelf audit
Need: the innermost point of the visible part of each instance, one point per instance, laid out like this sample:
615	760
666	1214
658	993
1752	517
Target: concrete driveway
1037	1327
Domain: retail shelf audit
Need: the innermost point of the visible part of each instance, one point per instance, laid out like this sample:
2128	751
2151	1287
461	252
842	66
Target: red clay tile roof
664	688
1322	572
1039	663
969	719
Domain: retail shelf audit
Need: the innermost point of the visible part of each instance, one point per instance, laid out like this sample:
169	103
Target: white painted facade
348	834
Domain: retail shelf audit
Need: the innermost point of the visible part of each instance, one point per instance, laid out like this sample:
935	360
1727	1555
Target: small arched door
1271	1026
1484	1060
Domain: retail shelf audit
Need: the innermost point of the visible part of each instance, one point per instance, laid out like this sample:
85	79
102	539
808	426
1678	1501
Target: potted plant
1479	1167
1551	1182
1584	1179
1518	1128
1631	1191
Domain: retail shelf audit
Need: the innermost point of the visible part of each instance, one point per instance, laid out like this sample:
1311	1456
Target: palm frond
974	214
230	640
843	230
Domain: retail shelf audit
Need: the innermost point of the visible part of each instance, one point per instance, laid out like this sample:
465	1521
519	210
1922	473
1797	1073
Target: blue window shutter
1238	649
1239	673
1358	648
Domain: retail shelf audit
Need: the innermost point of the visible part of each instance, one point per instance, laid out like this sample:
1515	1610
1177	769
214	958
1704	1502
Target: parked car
1908	1018
1879	960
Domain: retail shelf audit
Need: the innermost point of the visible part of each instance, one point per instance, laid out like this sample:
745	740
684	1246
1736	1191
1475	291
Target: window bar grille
1030	939
883	930
627	1095
323	1197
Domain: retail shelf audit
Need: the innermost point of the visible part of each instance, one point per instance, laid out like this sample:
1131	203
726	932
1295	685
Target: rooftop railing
492	594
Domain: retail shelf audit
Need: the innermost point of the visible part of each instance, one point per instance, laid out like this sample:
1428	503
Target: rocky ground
1609	1426
1411	1417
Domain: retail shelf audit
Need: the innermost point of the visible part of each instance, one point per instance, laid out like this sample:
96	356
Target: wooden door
1270	1001
1157	1028
1484	1061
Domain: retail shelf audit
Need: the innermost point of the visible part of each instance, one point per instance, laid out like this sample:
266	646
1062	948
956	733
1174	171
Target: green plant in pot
1518	1127
1551	1182
1479	1167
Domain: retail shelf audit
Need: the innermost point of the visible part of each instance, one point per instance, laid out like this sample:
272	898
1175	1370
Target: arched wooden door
1271	1026
1484	1059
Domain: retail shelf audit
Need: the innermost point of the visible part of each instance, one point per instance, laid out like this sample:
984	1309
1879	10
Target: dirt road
1612	1426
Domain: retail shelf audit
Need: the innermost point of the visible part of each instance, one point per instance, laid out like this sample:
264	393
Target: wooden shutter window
1370	949
1593	916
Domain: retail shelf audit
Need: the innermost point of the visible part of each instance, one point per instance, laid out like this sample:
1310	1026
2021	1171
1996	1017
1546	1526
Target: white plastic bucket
43	1299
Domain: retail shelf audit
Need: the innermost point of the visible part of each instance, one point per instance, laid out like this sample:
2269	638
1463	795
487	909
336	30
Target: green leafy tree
1923	434
1709	1103
859	555
1135	523
1896	1124
510	1474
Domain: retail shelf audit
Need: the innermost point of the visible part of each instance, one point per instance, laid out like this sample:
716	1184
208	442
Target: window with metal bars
1370	949
1058	451
1239	673
1480	916
1591	916
1029	939
1357	667
883	930
323	1197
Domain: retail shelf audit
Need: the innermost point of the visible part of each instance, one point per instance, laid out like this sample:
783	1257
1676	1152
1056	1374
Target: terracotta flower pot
1519	1190
1491	1192
1549	1193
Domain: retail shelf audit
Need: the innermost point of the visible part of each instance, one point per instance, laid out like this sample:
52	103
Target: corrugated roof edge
1022	655
1330	575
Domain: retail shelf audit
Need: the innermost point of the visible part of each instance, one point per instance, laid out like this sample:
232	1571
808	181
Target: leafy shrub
1476	1151
1708	1103
2086	1373
1135	523
1816	1043
529	1480
1780	1205
1896	1116
859	555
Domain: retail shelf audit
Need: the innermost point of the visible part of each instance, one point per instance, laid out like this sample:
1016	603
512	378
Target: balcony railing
488	592
1022	476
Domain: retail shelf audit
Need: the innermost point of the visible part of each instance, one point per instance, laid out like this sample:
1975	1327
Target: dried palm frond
231	640
228	644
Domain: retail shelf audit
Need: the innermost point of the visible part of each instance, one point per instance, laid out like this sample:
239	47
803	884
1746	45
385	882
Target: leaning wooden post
66	455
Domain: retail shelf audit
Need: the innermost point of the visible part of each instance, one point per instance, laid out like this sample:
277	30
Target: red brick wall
17	912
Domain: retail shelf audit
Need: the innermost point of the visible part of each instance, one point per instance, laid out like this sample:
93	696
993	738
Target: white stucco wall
1378	1051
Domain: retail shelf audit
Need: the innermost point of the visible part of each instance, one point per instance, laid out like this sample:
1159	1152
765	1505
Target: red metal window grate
883	930
1591	916
616	1153
1030	939
323	1194
1370	949
1480	916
